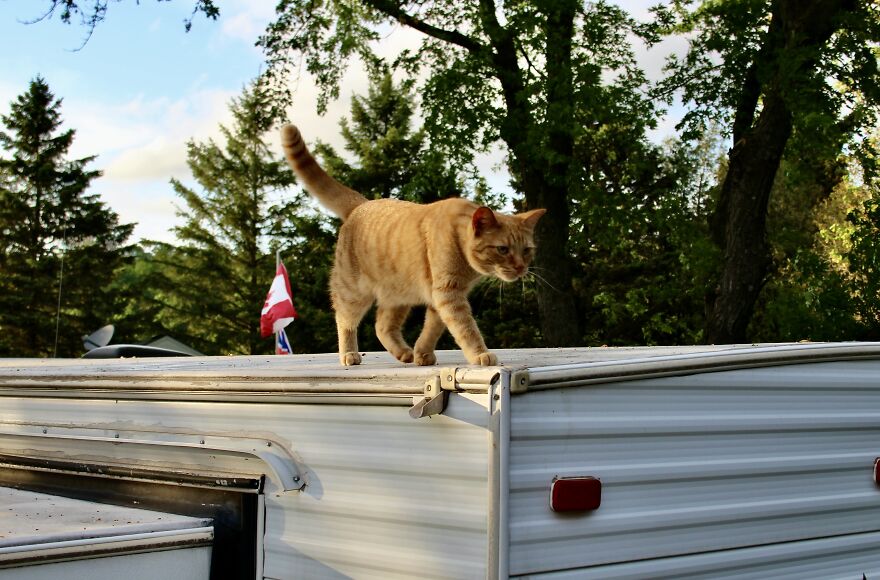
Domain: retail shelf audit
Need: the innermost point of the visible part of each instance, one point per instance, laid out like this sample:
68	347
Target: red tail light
575	494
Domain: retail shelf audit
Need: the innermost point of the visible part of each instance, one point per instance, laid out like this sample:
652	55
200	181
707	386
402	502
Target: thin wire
60	282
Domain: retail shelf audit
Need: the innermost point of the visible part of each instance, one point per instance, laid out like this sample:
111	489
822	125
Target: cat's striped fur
398	254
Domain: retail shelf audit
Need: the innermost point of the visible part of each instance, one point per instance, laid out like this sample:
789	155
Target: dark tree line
757	223
60	246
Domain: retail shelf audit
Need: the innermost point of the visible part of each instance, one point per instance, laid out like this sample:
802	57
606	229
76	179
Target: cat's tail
336	197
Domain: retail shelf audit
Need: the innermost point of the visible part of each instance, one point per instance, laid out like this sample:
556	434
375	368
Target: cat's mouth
509	274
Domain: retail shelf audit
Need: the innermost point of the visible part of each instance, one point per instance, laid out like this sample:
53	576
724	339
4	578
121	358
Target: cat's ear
482	220
530	218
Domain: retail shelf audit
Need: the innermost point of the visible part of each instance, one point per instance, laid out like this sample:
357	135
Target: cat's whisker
543	280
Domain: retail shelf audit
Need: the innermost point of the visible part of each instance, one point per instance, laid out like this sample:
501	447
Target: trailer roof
641	363
317	374
29	518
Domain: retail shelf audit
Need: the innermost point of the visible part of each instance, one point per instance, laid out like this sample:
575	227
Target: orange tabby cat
399	254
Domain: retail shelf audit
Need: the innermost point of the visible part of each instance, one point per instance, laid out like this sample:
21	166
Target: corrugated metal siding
698	463
823	559
386	496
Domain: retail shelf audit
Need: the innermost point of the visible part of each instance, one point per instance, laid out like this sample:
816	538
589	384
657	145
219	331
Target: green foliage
642	243
806	299
544	78
814	291
796	85
557	83
392	159
729	57
211	284
864	264
52	232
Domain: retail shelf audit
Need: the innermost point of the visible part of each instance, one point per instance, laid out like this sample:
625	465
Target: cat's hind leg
427	342
389	321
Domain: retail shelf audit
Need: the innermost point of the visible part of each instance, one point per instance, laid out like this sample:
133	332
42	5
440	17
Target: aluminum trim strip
733	358
31	554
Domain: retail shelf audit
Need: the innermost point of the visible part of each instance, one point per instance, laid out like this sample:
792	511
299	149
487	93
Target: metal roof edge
232	379
580	374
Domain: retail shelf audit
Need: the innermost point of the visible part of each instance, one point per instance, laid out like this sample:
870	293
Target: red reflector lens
575	494
877	471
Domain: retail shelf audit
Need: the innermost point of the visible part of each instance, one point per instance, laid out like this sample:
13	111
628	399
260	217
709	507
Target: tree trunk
559	317
745	195
797	32
556	304
543	174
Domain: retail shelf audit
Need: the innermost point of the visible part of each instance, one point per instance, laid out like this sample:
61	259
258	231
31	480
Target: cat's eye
527	251
503	250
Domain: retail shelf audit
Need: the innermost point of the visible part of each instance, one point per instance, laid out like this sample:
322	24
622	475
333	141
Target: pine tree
391	160
52	232
211	284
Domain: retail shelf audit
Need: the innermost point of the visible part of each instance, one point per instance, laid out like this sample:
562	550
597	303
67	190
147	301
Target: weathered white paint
837	558
697	464
716	460
385	496
51	537
190	564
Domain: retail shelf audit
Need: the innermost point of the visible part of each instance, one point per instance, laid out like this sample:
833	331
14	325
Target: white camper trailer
692	462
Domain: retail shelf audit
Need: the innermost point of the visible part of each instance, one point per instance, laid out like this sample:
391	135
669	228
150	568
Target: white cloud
157	160
148	204
141	144
157	132
246	21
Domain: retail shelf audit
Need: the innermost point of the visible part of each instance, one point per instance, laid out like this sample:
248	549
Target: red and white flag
278	310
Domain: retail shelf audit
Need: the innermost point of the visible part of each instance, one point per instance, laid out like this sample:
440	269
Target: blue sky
142	87
137	91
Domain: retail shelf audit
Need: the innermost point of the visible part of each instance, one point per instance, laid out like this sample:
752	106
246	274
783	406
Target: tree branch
393	10
508	72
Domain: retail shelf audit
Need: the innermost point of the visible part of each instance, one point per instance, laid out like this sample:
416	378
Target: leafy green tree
211	284
393	160
138	317
646	258
862	258
518	73
53	233
804	295
770	70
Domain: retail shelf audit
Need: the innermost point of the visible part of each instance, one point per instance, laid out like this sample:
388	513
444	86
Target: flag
278	310
281	344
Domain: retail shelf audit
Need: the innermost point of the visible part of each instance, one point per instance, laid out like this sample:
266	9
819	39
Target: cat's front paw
404	356
484	359
350	358
426	359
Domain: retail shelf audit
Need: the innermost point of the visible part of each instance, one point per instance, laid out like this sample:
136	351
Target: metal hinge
436	394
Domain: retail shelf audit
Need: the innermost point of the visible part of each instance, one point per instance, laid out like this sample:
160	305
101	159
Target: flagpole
277	263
